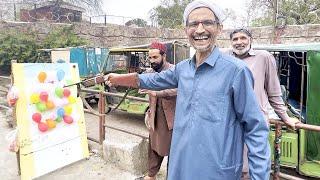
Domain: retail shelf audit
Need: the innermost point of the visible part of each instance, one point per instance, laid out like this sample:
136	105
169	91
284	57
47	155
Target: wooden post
277	152
102	117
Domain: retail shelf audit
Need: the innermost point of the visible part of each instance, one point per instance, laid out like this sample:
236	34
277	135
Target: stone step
126	151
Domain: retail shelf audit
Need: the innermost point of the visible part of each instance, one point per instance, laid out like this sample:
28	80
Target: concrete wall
114	35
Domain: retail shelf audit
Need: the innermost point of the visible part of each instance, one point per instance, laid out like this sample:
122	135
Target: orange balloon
50	105
42	76
51	123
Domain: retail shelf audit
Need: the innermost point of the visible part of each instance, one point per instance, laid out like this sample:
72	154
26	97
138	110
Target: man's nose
200	28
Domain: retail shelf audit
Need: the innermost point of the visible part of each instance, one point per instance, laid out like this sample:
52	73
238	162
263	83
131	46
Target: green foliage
25	49
17	46
170	13
139	22
293	11
61	38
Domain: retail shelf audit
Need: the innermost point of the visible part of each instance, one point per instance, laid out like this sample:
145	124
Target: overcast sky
141	8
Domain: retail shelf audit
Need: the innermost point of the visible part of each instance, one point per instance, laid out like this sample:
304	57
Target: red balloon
43	127
66	92
36	117
67	119
44	96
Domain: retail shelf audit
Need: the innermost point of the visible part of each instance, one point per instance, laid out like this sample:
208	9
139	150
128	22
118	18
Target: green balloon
41	107
59	92
58	119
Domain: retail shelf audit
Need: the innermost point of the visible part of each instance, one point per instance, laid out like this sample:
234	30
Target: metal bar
5	77
105	20
287	176
92	139
298	126
277	152
114	94
301	87
125	131
93	113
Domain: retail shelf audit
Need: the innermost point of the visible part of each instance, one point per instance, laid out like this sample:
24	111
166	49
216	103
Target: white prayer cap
217	10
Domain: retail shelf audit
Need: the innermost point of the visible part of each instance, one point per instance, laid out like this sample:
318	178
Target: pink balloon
44	96
66	92
36	117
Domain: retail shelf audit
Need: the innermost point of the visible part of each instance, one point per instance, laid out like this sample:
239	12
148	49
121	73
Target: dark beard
157	66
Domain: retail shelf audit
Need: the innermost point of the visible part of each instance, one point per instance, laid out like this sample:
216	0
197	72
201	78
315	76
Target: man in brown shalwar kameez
159	117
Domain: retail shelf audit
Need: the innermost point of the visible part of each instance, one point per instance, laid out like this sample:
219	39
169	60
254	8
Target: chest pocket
213	108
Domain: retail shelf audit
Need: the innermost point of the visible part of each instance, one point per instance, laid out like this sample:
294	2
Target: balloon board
50	117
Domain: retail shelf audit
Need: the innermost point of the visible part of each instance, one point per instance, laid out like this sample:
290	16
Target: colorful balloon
60	112
67	119
71	99
42	77
50	105
59	92
58	119
34	98
60	74
36	117
68	110
66	92
43	127
51	123
41	107
44	96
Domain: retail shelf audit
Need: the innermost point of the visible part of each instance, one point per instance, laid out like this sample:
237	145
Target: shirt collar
211	59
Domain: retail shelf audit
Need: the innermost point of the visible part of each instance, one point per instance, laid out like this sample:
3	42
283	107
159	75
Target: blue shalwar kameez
216	113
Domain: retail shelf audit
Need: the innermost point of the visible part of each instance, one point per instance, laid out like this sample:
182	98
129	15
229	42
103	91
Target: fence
35	12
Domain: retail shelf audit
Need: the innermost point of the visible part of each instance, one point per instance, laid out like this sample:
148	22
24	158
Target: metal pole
90	19
15	12
298	126
301	87
105	20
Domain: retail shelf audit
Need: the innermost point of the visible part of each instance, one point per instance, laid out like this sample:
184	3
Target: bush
61	38
18	46
24	47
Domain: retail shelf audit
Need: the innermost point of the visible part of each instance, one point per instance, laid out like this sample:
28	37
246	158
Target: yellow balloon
71	99
35	98
67	110
42	76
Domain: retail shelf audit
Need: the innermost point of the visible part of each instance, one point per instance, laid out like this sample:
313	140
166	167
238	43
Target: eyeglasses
205	24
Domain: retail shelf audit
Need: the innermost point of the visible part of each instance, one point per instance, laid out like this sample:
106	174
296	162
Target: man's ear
164	56
220	27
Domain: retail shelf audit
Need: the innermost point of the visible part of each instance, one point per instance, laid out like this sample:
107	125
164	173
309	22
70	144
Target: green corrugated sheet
313	105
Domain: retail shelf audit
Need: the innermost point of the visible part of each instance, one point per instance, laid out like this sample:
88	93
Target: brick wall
114	35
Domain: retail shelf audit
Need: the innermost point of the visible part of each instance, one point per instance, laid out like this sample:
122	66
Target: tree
64	37
18	46
271	12
169	14
139	22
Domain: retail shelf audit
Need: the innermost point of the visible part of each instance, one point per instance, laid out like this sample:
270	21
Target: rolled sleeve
159	81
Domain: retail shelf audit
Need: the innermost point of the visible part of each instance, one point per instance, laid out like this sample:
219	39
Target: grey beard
242	51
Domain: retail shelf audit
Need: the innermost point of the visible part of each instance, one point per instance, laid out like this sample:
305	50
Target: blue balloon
60	112
60	74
